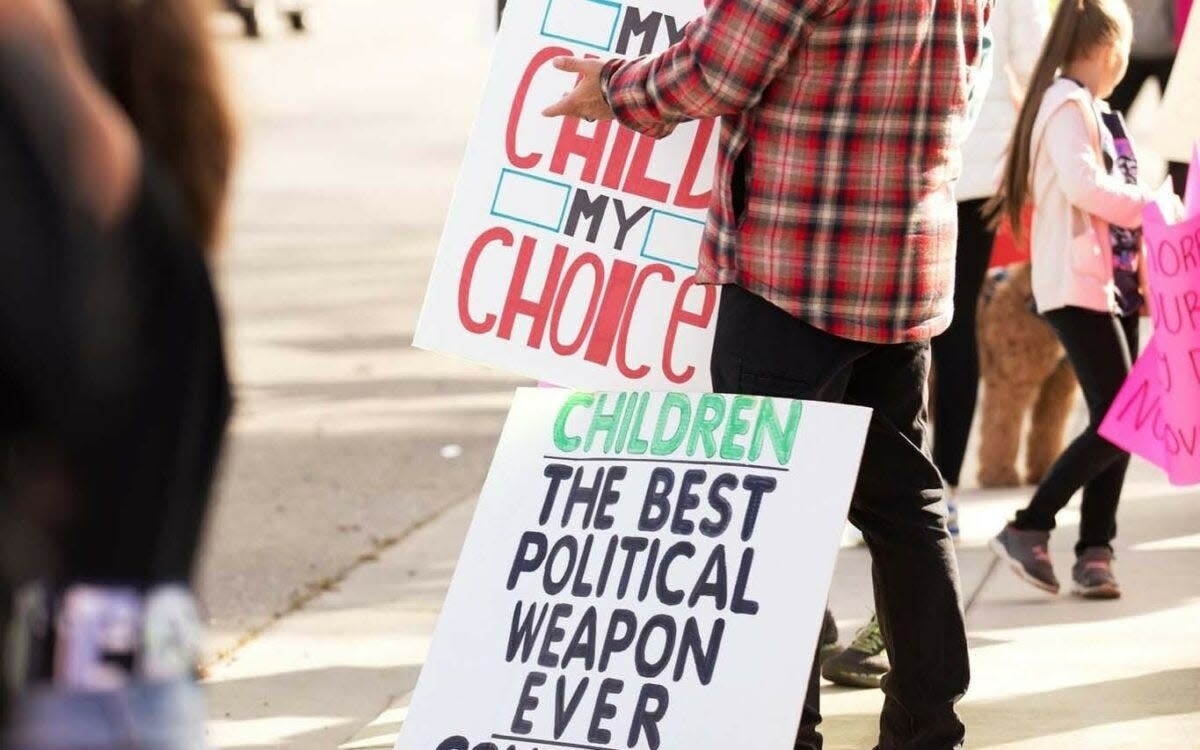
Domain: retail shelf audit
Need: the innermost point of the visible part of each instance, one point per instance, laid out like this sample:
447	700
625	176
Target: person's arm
1070	144
1027	29
105	156
724	62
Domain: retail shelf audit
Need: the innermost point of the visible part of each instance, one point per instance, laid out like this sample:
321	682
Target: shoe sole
1103	591
1015	565
854	679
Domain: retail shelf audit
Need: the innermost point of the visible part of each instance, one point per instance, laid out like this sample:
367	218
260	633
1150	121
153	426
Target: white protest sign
644	570
1179	118
569	248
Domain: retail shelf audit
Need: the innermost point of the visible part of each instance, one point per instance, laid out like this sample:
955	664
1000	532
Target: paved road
352	137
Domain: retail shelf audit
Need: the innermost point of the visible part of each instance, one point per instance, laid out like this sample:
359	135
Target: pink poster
1157	413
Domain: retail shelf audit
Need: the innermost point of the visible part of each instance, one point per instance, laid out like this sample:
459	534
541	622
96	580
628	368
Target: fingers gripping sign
586	100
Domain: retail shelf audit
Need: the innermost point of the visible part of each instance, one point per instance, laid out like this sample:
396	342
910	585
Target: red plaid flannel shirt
841	121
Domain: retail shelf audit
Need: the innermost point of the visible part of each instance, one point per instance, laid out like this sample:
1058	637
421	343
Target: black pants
955	352
1140	71
1099	346
761	350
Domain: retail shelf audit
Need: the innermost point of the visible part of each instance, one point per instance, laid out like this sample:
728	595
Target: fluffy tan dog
1024	369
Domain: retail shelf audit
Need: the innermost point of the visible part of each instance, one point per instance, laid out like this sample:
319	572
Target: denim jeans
142	716
897	504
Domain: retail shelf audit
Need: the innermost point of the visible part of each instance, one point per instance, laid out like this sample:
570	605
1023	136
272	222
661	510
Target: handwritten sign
569	248
644	570
1179	118
1157	412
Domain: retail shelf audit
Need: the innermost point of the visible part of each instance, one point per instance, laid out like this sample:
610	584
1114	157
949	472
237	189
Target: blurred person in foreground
115	153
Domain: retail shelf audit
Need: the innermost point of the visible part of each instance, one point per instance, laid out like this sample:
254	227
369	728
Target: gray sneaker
1093	575
1028	554
863	664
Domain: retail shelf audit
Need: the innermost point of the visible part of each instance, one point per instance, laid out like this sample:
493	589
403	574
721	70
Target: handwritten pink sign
1157	413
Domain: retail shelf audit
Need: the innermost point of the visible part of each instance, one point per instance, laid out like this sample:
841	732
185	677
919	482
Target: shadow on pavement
1032	715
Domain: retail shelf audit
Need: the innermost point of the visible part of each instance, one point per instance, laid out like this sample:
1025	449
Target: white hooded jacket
1075	199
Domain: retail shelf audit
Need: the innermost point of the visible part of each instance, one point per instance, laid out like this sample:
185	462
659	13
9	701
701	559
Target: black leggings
955	353
1099	346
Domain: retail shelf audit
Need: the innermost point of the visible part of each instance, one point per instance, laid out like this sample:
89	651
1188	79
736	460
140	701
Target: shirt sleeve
1069	145
724	62
1027	32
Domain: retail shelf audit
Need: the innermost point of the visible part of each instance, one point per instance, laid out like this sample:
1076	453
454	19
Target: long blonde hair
1079	27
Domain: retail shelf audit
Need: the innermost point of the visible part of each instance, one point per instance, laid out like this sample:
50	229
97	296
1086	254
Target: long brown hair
158	59
1080	26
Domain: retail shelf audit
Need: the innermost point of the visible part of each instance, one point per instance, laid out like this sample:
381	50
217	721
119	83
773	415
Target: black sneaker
1093	575
1028	554
829	647
863	664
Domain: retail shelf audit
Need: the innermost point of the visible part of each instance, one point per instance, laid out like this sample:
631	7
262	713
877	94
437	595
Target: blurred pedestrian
113	176
1157	28
1018	29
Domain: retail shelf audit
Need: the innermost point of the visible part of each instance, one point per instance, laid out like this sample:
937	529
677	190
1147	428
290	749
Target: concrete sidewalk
1047	672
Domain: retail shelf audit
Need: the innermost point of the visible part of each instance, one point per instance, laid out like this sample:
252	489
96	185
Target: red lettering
538	310
613	295
604	335
641	371
681	316
637	182
530	160
496	234
571	143
684	198
564	292
618	158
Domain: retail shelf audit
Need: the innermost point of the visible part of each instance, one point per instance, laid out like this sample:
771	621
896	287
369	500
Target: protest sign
569	249
644	570
1179	118
1157	412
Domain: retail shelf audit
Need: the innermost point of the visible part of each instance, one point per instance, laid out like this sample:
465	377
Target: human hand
586	100
1176	211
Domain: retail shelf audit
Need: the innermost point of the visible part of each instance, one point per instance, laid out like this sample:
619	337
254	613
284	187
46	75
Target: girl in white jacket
1074	160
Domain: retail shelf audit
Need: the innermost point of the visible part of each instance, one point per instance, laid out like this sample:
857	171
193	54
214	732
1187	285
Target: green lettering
562	440
661	445
637	444
709	413
783	439
735	427
604	423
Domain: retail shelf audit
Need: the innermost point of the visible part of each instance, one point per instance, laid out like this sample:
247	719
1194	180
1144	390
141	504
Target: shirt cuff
606	74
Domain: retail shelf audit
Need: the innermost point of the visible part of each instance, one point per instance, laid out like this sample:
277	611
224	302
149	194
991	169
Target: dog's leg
1051	411
1005	402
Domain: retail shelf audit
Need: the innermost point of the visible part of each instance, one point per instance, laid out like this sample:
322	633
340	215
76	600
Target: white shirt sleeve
1069	146
1030	23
